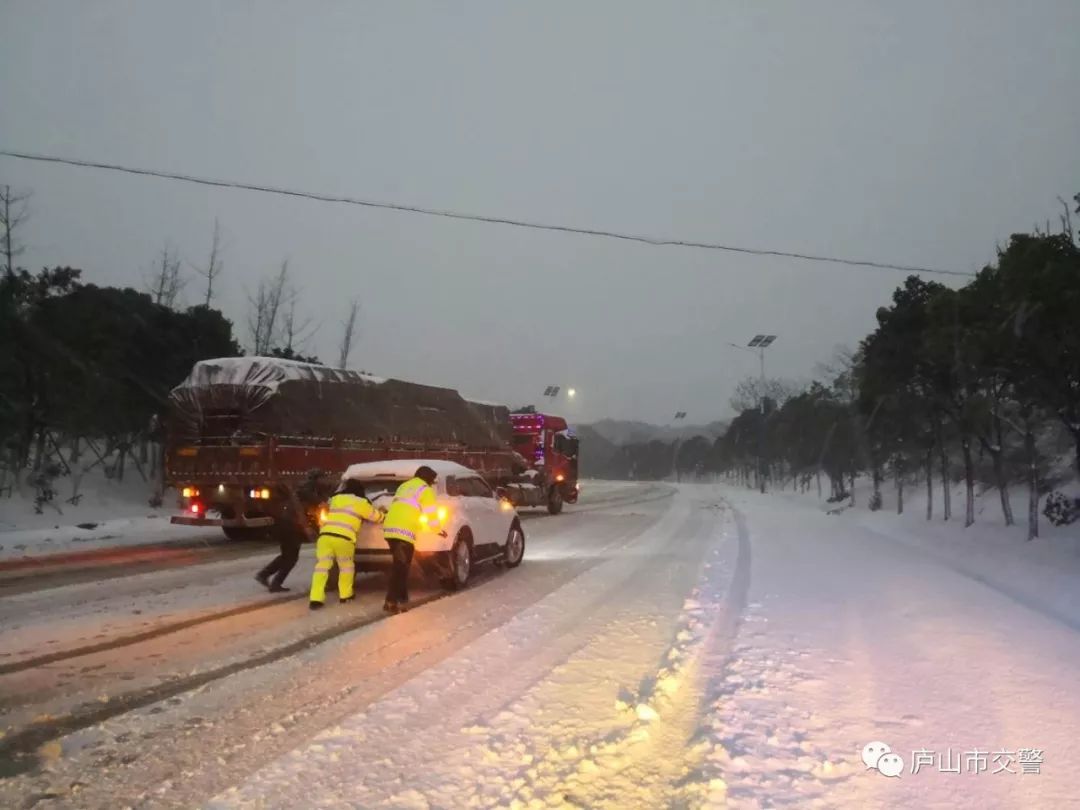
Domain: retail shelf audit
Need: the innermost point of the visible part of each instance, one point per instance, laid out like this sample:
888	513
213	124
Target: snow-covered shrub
44	491
875	502
1060	509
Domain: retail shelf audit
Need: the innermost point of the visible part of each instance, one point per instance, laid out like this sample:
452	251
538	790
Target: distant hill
621	432
617	449
596	454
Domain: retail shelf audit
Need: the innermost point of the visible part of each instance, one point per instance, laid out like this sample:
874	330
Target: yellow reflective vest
344	515
413	502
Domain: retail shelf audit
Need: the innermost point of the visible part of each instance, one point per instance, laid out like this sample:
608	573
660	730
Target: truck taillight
196	508
560	478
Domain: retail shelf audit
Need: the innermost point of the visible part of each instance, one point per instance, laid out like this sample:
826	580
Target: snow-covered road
659	648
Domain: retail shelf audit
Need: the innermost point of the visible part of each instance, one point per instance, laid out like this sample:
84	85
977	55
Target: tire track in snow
745	715
661	745
511	750
146	635
18	751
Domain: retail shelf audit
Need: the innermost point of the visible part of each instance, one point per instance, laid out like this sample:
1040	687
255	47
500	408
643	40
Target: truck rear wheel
555	501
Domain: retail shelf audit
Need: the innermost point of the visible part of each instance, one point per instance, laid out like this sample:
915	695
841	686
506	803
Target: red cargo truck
250	438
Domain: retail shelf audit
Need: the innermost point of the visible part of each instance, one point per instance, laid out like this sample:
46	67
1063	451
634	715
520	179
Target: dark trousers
284	562
398	587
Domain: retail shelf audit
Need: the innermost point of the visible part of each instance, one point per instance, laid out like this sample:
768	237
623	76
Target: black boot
390	606
277	587
263	579
316	605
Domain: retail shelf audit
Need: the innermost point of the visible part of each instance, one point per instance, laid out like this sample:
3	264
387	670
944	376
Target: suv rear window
471	487
381	489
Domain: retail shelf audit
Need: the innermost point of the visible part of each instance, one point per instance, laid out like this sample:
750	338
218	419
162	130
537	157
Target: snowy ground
692	647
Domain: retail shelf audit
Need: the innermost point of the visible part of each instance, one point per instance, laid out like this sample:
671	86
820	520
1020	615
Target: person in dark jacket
291	530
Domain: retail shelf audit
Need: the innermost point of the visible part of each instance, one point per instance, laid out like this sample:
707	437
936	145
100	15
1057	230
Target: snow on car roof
405	468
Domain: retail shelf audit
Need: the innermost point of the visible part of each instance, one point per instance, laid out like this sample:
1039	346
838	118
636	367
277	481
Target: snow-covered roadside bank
850	639
1043	574
64	543
107	515
588	698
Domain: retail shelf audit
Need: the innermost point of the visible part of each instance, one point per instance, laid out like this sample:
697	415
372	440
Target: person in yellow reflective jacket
347	510
413	510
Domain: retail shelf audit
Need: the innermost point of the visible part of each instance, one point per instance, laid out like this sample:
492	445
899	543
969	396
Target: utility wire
517	223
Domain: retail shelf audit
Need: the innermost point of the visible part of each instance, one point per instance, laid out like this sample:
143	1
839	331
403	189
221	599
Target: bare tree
349	333
266	314
166	283
214	265
1066	218
750	390
13	213
295	332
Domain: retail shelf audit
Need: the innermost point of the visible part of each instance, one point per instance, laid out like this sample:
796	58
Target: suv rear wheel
515	547
459	562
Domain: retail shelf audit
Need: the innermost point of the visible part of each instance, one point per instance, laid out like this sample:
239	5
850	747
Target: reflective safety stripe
401	532
414	498
349	512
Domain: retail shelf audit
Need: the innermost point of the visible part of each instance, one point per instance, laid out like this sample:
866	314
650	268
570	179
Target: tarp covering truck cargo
247	435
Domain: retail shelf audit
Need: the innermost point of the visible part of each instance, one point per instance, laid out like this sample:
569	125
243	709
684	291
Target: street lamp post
679	415
760	343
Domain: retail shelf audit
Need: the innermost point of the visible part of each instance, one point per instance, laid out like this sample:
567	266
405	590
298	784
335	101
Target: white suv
475	526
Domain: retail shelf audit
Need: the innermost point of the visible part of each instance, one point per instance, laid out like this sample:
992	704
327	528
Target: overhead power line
494	220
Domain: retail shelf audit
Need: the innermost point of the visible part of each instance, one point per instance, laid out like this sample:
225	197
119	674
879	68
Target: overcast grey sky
917	132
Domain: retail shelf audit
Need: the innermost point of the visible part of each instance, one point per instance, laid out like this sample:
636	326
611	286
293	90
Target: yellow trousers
328	549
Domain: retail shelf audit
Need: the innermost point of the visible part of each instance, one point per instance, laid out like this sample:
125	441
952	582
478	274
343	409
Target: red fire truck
250	438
